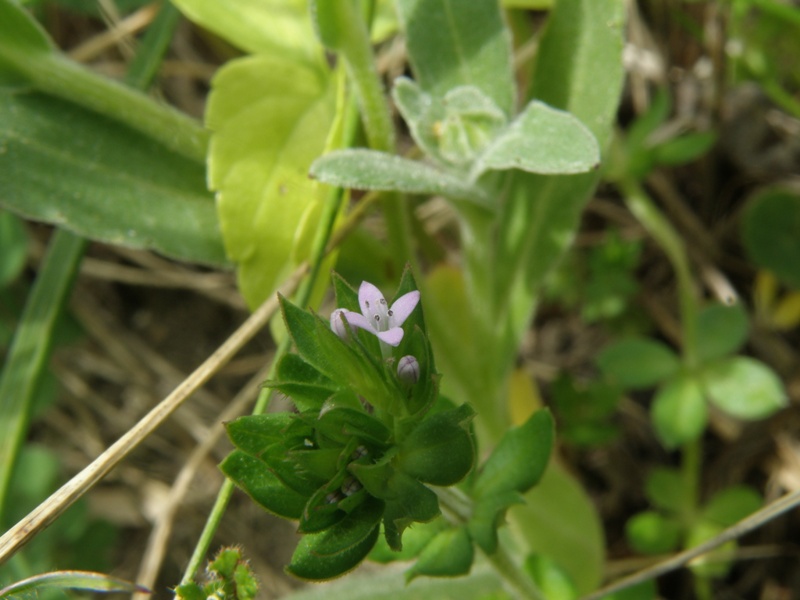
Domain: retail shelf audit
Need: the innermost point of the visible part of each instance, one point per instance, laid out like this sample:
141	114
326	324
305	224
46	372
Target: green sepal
320	463
439	450
262	485
520	458
304	384
340	424
319	512
280	461
488	514
340	548
449	554
415	538
253	434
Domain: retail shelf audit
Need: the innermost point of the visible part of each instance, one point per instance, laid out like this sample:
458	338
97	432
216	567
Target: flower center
378	314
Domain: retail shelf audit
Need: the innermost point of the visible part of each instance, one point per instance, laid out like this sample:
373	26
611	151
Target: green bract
362	444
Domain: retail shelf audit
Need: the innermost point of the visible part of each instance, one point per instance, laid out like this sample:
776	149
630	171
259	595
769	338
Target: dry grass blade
44	514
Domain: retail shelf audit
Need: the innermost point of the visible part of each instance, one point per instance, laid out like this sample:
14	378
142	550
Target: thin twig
757	519
44	514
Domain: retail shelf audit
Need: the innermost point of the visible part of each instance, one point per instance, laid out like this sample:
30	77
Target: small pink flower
376	315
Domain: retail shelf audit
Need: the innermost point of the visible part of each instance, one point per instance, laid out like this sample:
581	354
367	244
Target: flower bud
408	370
337	323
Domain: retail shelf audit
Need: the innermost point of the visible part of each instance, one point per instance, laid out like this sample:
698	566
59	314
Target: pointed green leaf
70	167
520	458
679	411
721	330
253	434
19	34
262	485
340	548
541	140
269	118
372	170
343	423
453	43
71	580
637	362
439	450
449	554
744	387
276	27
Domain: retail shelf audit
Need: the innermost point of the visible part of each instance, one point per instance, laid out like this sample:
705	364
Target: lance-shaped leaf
262	485
340	548
253	434
20	34
371	170
94	176
541	140
269	118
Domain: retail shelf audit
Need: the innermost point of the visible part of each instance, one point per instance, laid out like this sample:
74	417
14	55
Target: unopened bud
408	370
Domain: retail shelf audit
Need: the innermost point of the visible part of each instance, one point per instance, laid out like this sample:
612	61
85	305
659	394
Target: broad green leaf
452	43
574	540
664	489
262	485
770	227
487	517
19	35
744	387
541	140
70	167
439	450
520	459
372	170
552	581
270	27
414	541
340	548
449	554
717	562
721	330
637	362
650	532
269	118
679	411
71	580
731	505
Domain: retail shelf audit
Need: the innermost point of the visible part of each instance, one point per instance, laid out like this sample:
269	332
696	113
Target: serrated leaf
269	118
720	330
340	548
541	140
650	532
744	387
520	458
637	362
275	27
459	43
679	411
262	485
449	554
371	170
769	229
439	450
77	169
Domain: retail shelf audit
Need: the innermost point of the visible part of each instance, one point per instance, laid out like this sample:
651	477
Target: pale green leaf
372	170
273	27
269	118
542	140
637	362
70	167
679	411
452	43
651	532
449	554
19	35
744	387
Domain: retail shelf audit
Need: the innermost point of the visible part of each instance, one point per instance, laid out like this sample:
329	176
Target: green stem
55	74
643	208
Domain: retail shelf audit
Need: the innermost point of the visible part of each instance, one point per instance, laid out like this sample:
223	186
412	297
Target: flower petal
402	307
369	297
393	337
337	324
358	320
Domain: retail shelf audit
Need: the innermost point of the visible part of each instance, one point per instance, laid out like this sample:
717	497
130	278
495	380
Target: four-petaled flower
376	315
